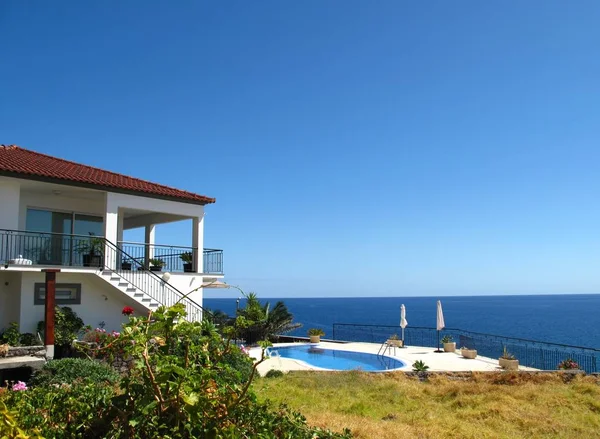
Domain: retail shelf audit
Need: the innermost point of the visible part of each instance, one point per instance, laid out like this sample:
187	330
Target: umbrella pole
438	350
403	345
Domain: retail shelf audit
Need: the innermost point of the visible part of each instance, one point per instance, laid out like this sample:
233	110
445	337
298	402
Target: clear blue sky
354	147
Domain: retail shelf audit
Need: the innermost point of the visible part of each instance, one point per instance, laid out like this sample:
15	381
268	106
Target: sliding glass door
55	244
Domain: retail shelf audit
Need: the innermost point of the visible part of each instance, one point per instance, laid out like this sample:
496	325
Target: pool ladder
385	347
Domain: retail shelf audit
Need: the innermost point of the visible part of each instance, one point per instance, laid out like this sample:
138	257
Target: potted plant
449	345
315	335
91	251
126	264
393	340
187	258
568	364
468	353
156	264
508	361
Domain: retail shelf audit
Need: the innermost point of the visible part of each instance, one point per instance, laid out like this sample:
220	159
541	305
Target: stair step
131	289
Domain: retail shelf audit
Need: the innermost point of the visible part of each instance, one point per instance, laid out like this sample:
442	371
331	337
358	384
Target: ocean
572	319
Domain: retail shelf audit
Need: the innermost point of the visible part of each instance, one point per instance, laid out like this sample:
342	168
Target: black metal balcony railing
174	258
88	251
530	353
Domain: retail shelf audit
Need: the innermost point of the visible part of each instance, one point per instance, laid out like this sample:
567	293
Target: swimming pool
336	359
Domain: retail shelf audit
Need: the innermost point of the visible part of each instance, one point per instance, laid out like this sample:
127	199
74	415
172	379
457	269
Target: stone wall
24	351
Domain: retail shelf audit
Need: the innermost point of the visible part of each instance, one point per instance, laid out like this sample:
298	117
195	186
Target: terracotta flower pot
315	338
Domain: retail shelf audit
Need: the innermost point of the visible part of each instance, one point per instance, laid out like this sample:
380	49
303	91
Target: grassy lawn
499	405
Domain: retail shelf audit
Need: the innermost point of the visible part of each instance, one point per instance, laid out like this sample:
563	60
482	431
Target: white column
198	242
111	221
120	222
149	239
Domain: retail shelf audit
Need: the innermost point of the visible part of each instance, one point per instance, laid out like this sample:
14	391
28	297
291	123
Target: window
66	294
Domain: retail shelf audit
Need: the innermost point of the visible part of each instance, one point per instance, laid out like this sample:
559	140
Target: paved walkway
436	361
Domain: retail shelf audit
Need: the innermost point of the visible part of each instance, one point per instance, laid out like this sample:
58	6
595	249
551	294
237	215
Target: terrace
71	250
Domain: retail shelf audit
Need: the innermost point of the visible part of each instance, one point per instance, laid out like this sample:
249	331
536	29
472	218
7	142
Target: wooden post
49	304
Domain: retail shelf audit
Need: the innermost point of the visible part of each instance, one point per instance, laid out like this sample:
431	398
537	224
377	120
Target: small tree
263	322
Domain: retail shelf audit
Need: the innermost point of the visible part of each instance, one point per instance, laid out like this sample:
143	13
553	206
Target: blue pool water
338	360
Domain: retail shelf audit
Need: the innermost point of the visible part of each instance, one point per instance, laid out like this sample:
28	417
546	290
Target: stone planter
450	347
315	338
507	364
469	353
394	342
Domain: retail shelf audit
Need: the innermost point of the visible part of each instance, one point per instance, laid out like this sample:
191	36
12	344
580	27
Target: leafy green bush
62	412
181	385
239	364
274	373
29	339
67	326
11	335
74	370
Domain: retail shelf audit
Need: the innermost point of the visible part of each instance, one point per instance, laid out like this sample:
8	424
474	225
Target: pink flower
20	385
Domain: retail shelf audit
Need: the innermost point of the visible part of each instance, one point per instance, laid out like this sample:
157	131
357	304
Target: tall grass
502	405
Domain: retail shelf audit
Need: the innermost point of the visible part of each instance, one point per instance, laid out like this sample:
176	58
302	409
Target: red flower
127	311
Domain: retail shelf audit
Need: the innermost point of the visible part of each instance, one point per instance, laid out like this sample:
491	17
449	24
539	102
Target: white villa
56	214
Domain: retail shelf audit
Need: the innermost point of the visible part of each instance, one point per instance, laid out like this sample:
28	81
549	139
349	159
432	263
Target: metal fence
530	353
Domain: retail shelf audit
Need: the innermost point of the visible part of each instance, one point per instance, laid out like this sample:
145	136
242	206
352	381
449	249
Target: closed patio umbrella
403	322
440	323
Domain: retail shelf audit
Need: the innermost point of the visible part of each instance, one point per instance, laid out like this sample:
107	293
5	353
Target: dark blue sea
569	319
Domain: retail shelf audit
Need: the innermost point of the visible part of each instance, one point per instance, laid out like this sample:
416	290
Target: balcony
38	248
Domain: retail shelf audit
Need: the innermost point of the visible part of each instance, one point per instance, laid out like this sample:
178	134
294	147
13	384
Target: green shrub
274	373
62	412
29	339
74	370
11	335
184	383
239	364
67	326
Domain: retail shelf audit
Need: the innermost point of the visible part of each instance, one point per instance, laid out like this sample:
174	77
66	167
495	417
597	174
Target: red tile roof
22	163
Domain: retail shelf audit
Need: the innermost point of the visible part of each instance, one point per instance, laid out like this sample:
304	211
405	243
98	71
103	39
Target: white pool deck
437	362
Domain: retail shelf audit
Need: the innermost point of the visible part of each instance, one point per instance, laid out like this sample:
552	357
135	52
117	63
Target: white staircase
129	289
144	286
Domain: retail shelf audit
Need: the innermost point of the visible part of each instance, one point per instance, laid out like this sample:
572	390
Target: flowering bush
127	311
19	385
568	364
107	345
185	382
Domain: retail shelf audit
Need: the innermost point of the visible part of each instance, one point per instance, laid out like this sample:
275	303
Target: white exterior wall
58	203
10	193
99	301
10	298
185	283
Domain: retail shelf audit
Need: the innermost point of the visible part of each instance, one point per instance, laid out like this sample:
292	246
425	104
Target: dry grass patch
501	405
